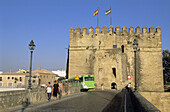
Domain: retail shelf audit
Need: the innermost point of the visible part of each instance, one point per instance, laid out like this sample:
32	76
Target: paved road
92	101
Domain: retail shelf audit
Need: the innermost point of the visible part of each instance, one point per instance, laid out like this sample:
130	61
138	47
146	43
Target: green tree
61	78
166	65
15	80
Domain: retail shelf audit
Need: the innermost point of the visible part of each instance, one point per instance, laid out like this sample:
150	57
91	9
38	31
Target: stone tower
109	55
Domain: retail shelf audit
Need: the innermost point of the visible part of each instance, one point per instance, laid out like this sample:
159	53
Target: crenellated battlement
117	30
107	37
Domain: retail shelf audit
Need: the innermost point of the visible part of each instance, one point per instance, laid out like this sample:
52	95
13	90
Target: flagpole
98	18
110	16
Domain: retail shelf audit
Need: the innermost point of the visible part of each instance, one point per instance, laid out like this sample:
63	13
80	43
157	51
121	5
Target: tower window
122	48
114	71
114	46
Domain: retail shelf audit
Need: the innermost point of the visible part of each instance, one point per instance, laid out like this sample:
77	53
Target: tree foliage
166	64
61	78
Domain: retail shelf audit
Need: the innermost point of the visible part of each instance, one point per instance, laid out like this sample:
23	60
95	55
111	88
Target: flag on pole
108	11
96	12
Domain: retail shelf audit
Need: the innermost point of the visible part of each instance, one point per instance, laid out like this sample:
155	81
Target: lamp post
31	47
135	46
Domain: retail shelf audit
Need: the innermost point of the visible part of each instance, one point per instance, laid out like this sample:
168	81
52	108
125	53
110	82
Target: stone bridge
91	101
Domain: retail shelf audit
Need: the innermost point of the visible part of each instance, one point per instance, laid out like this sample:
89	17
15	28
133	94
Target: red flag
96	12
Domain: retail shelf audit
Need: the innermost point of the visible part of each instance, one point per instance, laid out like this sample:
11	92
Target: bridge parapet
141	104
23	98
160	99
134	101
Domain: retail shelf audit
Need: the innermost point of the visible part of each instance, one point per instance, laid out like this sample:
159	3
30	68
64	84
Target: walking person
60	89
55	89
48	91
66	88
128	86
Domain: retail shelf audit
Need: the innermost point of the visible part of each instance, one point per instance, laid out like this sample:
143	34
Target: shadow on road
115	104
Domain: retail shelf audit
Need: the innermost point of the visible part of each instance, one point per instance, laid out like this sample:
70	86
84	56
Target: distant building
45	76
39	77
18	80
12	79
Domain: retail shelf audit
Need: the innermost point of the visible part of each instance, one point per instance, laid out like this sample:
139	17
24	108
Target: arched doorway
113	85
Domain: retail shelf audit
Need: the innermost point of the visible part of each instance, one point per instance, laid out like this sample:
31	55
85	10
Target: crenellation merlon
78	29
91	30
117	29
145	29
124	29
111	29
71	30
104	29
131	30
158	29
84	30
152	29
138	30
97	29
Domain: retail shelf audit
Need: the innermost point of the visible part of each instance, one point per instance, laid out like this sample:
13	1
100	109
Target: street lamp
135	46
31	47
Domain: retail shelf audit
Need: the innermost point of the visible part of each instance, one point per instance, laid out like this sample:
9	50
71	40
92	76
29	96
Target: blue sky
47	22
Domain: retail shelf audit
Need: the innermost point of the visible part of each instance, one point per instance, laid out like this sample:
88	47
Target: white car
43	85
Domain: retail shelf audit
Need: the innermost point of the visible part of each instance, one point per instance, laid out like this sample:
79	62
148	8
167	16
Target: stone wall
98	52
20	98
159	99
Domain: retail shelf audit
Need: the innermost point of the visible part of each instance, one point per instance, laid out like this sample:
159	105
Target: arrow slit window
114	71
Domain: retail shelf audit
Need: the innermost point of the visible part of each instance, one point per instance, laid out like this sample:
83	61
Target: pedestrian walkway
33	107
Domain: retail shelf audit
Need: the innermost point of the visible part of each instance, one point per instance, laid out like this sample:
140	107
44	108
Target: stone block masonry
109	56
161	100
13	99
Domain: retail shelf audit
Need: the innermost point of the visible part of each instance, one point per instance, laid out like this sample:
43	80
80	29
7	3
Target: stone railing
161	100
134	101
141	104
23	98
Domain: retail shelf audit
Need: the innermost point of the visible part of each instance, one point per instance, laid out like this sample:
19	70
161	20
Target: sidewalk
10	89
41	104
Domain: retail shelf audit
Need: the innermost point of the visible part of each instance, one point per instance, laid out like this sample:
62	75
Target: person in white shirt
48	91
60	89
